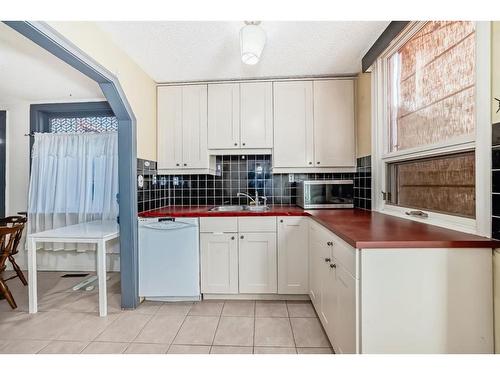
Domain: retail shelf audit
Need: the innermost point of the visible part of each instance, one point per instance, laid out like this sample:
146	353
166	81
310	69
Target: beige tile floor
67	322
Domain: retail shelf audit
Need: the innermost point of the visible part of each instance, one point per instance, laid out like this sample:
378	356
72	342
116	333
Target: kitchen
347	208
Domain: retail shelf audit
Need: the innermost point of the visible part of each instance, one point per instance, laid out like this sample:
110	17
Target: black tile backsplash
237	173
363	183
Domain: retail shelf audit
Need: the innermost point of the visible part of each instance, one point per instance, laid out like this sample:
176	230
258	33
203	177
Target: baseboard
261	297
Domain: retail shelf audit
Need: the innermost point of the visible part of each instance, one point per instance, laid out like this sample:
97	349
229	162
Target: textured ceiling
190	51
29	73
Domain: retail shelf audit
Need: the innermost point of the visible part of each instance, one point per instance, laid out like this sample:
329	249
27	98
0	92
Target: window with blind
92	124
430	81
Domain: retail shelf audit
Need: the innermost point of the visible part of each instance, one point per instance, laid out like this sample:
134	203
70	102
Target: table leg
32	277
101	274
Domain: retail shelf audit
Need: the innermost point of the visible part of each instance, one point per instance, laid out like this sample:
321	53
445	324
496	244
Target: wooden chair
8	237
10	221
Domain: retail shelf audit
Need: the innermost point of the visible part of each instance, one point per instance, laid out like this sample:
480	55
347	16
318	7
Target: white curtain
74	179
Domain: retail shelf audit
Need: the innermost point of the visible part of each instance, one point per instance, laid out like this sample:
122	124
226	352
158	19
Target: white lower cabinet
257	263
293	255
219	263
332	289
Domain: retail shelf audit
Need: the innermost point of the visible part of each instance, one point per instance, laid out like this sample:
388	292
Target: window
426	122
95	124
440	184
432	79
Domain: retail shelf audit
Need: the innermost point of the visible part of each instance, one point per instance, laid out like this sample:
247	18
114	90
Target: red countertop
359	228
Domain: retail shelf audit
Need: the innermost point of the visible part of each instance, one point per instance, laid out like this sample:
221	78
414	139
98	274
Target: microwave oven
325	194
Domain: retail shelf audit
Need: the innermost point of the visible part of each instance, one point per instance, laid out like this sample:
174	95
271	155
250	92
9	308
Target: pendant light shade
252	41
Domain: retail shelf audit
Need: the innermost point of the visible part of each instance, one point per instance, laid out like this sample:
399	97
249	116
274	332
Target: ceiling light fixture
252	41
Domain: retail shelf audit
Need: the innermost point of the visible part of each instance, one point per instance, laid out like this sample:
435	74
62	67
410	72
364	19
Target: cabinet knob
236	144
185	164
281	220
328	260
329	243
243	143
242	237
333	265
318	162
232	237
310	162
177	164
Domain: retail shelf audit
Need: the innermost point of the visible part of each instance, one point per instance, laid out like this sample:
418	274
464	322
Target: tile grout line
291	328
254	322
217	328
178	330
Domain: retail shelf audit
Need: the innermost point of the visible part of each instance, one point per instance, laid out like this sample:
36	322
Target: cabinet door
293	255
219	263
257	263
194	127
256	105
224	116
344	328
169	146
334	142
316	264
293	124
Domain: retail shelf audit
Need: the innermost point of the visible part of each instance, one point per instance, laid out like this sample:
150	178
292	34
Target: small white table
98	232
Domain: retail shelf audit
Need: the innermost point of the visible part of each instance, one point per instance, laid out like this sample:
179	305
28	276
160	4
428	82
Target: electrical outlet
291	177
176	181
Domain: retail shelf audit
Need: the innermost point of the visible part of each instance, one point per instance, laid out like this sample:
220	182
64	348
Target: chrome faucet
256	200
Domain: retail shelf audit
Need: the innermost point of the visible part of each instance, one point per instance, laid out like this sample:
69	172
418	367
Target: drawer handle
327	260
185	164
329	243
317	162
236	144
333	265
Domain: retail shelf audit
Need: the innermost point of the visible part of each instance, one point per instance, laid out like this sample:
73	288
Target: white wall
17	184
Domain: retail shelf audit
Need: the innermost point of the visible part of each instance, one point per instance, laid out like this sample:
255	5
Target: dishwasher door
169	259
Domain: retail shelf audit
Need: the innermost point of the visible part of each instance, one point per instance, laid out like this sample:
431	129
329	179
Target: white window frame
480	142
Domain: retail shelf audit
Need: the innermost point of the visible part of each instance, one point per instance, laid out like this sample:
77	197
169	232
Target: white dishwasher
169	259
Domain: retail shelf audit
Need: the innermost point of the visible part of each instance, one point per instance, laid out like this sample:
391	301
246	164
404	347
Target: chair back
11	221
8	237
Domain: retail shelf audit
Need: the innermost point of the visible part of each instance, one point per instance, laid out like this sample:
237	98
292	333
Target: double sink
260	208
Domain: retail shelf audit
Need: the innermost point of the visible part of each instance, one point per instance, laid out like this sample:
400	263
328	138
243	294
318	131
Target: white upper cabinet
256	114
240	116
293	125
224	116
169	127
182	128
334	142
314	126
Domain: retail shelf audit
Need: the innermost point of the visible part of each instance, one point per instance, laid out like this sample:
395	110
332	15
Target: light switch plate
291	177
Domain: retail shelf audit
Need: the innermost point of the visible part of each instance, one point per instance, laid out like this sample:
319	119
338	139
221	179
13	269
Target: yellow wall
139	88
363	108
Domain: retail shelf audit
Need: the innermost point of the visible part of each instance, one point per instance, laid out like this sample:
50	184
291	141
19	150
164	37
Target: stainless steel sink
227	208
261	208
257	208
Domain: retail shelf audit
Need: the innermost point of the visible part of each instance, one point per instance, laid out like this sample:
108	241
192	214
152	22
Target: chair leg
18	270
4	289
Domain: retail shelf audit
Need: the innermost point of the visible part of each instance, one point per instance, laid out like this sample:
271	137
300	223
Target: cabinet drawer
345	255
218	224
257	224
